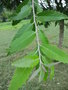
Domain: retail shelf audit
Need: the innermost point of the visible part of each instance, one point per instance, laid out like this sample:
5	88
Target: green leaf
43	38
42	74
54	53
23	29
52	72
25	2
49	64
38	7
47	61
51	15
46	74
25	12
22	39
27	62
20	77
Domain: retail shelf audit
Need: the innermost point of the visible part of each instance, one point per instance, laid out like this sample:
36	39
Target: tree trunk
61	33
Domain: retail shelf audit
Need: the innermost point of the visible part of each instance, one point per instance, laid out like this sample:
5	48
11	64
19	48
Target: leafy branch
37	36
46	53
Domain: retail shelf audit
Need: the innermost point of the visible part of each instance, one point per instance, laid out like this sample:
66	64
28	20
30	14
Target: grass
8	25
7	32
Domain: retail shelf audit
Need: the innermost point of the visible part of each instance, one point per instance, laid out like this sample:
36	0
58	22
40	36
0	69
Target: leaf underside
22	39
21	75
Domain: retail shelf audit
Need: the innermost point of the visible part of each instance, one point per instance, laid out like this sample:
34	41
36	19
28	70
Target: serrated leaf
20	77
25	12
43	38
22	39
27	62
51	15
54	53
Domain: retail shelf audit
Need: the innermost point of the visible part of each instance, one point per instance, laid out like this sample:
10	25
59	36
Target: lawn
7	32
8	25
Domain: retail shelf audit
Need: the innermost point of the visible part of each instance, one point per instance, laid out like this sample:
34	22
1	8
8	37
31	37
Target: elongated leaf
20	77
22	40
52	72
23	29
27	62
54	53
49	64
43	38
51	15
42	74
46	74
25	11
25	2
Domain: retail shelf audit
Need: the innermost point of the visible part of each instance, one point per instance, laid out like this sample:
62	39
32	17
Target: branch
37	36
